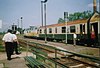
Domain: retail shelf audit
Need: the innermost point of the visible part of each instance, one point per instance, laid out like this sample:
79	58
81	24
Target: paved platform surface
16	62
1	65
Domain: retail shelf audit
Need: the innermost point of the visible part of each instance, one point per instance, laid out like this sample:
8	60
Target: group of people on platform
11	43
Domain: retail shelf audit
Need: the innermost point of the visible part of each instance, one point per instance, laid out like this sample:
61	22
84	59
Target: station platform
16	62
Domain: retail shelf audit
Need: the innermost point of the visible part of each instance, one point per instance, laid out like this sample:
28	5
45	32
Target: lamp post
42	12
45	23
66	20
13	27
18	23
21	25
43	2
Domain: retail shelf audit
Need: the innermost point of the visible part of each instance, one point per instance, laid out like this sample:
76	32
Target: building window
72	29
50	30
55	30
63	29
35	28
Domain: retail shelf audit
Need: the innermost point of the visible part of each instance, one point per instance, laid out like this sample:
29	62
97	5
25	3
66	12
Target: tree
76	16
60	20
79	15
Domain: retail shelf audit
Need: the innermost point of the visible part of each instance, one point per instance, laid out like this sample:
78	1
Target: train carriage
80	27
83	28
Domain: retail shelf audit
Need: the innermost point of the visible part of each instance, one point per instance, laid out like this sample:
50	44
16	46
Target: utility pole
94	6
44	18
42	12
66	20
18	22
21	25
45	23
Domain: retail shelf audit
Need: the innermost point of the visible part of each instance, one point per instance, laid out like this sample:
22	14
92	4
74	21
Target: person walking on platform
15	43
93	38
74	38
8	42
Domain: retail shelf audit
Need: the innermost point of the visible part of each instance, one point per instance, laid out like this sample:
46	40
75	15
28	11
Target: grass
21	48
2	48
90	52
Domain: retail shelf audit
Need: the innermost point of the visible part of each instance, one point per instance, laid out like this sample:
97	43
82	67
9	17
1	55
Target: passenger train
83	28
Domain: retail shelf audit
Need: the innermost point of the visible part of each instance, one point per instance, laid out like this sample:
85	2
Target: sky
30	10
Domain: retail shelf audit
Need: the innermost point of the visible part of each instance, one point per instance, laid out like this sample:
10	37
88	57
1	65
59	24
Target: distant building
0	23
14	27
31	29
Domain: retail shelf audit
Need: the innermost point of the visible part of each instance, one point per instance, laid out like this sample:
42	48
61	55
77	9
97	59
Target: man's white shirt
75	36
14	37
8	37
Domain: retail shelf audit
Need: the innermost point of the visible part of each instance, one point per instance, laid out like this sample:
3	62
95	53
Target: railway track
73	63
62	59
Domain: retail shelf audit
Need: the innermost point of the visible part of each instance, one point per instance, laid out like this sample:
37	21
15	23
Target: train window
50	30
63	29
40	31
84	28
72	29
80	28
55	30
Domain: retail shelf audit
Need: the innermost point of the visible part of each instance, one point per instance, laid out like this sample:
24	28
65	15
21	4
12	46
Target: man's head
9	30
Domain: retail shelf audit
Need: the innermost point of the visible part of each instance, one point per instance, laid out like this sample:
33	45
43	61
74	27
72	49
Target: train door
94	28
82	34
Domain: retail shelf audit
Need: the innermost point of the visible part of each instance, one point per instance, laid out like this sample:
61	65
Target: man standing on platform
8	42
15	43
74	40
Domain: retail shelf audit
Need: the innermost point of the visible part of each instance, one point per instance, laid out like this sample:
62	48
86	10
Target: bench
34	63
37	62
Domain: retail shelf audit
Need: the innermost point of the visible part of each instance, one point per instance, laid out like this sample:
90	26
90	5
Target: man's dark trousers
15	47
9	49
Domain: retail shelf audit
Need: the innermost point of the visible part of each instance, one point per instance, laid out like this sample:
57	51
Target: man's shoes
18	53
12	54
9	59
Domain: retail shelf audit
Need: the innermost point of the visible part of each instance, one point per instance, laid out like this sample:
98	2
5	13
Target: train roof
95	18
